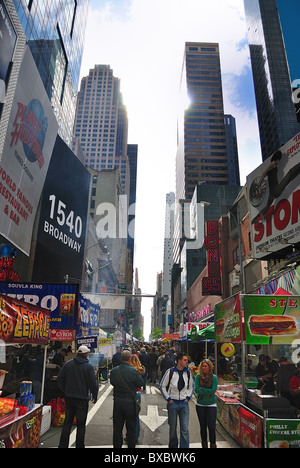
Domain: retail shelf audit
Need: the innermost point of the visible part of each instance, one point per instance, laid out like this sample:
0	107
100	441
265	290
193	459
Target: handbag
137	402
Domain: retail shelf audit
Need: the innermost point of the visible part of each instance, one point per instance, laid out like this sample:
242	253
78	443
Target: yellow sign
105	341
227	349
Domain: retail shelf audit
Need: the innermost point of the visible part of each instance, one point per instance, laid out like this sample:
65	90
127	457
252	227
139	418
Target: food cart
252	418
20	416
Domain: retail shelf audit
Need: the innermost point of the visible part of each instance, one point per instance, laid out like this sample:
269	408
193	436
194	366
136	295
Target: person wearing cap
77	381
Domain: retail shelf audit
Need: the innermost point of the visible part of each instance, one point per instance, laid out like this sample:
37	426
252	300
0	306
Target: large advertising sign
21	322
271	319
89	318
274	195
30	139
60	299
63	218
228	321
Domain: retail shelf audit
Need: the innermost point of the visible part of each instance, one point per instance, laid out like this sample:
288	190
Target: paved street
153	421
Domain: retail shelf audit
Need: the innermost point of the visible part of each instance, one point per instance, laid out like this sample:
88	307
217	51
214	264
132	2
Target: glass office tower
276	111
202	150
55	32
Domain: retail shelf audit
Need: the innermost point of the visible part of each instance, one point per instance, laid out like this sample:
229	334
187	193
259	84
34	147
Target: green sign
272	319
283	433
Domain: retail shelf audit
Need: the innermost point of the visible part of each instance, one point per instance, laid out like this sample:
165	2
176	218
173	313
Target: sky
143	42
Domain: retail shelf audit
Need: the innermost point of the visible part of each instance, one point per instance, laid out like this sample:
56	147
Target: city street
153	421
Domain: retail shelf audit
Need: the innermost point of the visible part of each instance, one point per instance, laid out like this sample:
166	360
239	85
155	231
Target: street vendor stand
21	420
254	420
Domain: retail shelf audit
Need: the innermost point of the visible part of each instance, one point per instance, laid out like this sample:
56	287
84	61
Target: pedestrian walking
125	379
166	363
145	361
116	359
152	365
206	383
177	387
77	381
135	362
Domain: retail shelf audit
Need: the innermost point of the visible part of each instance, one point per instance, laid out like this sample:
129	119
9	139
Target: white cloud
143	42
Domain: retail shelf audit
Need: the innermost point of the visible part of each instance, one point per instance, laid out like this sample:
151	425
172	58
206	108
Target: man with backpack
177	387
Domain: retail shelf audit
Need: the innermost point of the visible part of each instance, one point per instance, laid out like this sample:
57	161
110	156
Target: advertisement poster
274	194
89	318
63	218
244	426
272	319
228	320
27	151
60	299
283	433
23	323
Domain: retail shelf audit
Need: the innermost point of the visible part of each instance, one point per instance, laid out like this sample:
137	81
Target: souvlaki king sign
24	161
274	195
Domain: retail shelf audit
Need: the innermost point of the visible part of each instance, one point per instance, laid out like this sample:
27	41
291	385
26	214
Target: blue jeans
178	409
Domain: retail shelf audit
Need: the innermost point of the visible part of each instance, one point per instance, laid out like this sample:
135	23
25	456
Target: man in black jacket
125	379
77	380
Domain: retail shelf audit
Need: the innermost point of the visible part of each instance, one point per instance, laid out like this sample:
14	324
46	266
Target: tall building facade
202	153
276	111
55	32
101	123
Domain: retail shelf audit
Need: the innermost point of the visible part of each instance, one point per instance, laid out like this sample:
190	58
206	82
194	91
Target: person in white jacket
177	387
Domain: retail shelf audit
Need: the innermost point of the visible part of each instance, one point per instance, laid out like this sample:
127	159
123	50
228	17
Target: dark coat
132	379
77	379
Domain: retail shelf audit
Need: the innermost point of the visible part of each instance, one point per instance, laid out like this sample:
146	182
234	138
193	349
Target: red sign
7	272
62	335
23	323
211	285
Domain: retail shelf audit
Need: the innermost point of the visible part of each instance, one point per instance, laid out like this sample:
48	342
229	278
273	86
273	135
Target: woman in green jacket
205	388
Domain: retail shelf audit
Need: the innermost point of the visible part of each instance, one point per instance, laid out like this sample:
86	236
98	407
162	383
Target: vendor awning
207	333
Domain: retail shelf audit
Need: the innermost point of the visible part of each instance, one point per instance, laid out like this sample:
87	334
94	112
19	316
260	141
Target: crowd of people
133	368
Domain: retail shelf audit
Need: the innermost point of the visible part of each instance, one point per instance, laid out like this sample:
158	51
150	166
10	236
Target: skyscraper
202	151
276	111
55	33
202	156
101	123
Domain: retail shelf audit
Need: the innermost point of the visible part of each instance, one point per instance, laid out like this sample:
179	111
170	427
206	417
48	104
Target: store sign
26	154
211	285
272	319
61	299
274	195
89	341
62	335
283	433
195	316
23	323
228	321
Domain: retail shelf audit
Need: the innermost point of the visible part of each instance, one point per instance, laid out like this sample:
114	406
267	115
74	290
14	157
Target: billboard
228	321
30	139
63	218
274	195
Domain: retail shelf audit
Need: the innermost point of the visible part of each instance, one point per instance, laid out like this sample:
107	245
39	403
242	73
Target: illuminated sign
211	285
